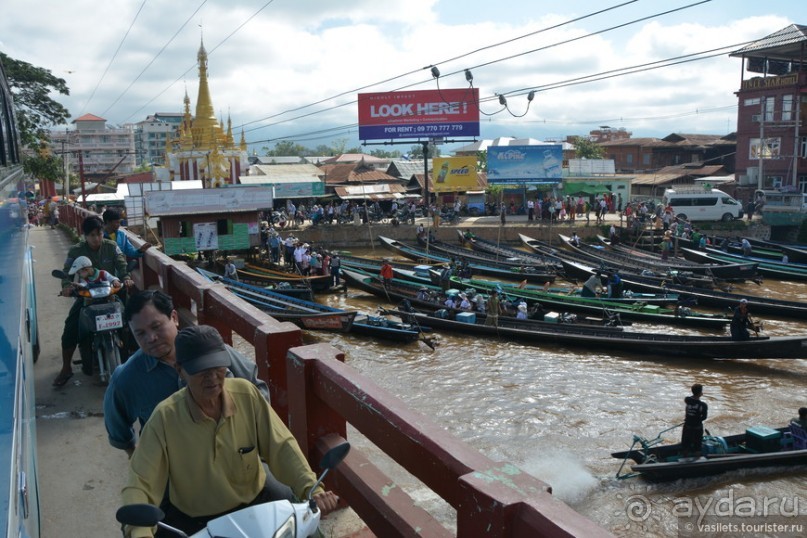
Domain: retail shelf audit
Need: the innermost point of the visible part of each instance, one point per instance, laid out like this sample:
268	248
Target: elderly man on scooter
206	441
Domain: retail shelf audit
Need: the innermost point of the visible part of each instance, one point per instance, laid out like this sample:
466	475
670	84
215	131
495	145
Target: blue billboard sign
525	164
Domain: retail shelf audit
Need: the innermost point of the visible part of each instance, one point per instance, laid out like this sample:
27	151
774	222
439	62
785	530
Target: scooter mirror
334	456
59	274
329	461
139	515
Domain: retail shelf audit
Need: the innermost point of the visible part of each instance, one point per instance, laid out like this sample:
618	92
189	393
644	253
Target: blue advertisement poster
525	164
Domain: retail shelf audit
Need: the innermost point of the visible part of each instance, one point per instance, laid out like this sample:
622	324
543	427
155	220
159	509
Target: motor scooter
276	519
100	325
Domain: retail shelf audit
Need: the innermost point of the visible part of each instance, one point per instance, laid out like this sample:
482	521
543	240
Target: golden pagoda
201	149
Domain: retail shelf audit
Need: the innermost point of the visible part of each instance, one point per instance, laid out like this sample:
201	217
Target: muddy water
558	412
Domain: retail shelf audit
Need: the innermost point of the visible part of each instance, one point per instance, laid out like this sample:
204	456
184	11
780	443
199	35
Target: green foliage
36	110
44	167
586	149
287	148
482	161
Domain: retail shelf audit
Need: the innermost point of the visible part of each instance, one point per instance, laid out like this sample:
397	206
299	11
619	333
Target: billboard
454	174
525	164
419	114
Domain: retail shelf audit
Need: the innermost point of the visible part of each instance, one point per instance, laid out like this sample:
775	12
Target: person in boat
575	240
465	304
695	413
386	274
746	246
193	445
479	302
423	294
494	308
614	286
591	286
801	420
421	231
741	322
521	310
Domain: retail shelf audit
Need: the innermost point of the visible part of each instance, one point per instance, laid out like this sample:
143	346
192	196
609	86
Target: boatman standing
695	414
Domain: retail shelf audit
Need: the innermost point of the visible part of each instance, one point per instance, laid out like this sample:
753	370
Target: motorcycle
276	519
100	326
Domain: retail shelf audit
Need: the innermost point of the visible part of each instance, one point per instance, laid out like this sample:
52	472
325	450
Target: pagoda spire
205	121
243	143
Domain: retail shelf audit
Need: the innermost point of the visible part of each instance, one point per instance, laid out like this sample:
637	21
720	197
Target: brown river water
557	413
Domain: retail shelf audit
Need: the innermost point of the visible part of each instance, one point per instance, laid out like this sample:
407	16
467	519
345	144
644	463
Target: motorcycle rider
205	442
104	254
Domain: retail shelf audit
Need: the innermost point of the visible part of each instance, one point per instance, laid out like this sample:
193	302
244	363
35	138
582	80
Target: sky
292	69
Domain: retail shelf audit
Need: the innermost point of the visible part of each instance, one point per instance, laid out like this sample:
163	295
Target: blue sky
269	58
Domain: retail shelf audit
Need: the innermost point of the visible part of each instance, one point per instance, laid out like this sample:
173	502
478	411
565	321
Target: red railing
319	395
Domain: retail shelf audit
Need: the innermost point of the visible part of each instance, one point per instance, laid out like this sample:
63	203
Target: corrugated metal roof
285	171
384	191
783	44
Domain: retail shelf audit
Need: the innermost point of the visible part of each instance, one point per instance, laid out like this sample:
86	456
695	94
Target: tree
287	148
44	166
586	149
34	107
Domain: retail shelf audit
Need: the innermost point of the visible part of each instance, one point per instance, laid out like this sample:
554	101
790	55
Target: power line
111	60
220	43
611	28
154	58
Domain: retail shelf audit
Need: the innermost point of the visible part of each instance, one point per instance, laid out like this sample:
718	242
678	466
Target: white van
698	204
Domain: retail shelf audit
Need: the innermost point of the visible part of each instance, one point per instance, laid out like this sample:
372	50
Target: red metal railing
319	395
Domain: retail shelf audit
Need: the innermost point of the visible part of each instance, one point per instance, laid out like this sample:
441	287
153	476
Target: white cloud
294	53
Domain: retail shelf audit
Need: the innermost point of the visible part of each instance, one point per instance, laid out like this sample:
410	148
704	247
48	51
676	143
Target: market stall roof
384	191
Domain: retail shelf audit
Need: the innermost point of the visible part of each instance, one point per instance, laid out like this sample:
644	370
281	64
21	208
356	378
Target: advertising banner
525	164
454	174
419	114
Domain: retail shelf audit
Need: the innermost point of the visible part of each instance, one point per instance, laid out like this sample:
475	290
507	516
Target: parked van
698	204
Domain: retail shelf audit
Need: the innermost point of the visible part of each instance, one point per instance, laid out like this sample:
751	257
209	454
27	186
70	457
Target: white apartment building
150	136
105	150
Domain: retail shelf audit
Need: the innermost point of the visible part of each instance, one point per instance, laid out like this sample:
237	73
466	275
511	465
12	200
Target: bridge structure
317	395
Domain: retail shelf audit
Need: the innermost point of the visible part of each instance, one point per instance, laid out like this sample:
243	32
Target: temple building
201	149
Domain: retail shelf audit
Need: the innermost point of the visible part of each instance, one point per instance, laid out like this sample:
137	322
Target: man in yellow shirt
206	441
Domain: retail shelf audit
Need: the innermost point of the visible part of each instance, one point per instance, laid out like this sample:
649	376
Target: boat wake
571	481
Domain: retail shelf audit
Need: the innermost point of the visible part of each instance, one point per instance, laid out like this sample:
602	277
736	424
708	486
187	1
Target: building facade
772	107
151	135
101	150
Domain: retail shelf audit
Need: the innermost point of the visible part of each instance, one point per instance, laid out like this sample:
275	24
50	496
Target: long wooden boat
257	275
306	314
749	450
505	252
646	344
485	258
569	261
504	273
536	294
292	289
639	262
771	269
402	292
761	249
713	298
637	311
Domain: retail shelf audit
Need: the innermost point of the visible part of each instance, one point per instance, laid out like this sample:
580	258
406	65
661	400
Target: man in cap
150	375
206	441
741	322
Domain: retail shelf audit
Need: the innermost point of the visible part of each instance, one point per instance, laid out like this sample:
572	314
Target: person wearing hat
204	444
694	415
84	273
149	375
465	304
741	322
104	255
